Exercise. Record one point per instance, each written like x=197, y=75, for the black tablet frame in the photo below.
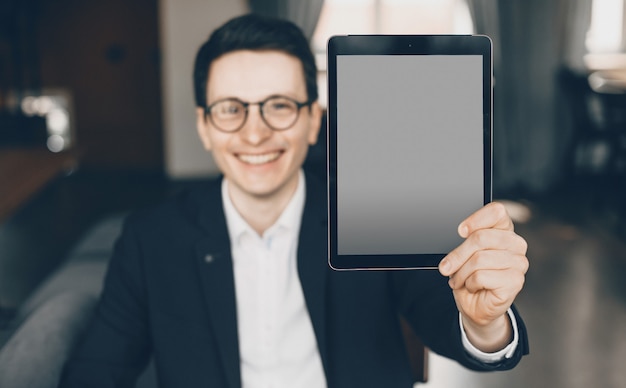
x=400, y=45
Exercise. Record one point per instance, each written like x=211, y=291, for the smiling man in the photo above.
x=229, y=286
x=259, y=147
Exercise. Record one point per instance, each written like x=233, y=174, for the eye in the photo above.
x=228, y=108
x=280, y=105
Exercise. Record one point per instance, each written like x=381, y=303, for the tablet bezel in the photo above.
x=400, y=45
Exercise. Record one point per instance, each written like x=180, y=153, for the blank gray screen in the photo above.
x=409, y=151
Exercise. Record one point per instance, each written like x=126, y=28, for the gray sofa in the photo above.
x=48, y=325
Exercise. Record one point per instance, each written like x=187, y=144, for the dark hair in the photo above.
x=254, y=32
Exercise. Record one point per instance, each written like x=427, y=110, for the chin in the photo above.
x=265, y=190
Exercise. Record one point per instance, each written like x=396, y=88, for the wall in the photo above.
x=104, y=55
x=185, y=25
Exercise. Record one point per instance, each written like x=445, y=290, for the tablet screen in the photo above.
x=408, y=148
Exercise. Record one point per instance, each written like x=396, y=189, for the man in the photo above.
x=229, y=285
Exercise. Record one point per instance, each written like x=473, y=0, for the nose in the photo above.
x=255, y=130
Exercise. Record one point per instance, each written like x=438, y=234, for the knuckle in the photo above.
x=475, y=281
x=480, y=238
x=519, y=283
x=515, y=282
x=480, y=259
x=525, y=264
x=522, y=243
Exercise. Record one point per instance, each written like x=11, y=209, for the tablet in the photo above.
x=409, y=146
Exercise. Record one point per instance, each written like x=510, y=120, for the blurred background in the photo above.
x=97, y=118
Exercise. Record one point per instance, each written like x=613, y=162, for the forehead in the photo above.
x=254, y=75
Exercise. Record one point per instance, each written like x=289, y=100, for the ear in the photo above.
x=203, y=128
x=315, y=120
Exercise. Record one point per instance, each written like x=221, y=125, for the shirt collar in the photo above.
x=289, y=219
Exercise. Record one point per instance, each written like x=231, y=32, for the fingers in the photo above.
x=487, y=294
x=492, y=215
x=488, y=281
x=490, y=270
x=502, y=241
x=509, y=282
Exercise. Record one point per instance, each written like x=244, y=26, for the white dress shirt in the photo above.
x=277, y=344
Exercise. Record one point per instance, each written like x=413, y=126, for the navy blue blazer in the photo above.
x=169, y=293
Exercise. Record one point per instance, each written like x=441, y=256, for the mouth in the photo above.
x=258, y=159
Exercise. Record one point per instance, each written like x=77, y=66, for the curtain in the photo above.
x=532, y=40
x=304, y=13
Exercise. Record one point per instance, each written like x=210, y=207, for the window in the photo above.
x=607, y=29
x=342, y=17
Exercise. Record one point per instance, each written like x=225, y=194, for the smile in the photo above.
x=260, y=158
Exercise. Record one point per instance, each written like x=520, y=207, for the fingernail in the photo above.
x=463, y=230
x=445, y=266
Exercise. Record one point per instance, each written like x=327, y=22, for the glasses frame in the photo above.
x=261, y=104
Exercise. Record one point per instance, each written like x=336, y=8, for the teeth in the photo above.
x=259, y=159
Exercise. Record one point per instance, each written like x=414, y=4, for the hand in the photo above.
x=486, y=272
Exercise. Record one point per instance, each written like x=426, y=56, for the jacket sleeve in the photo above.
x=116, y=346
x=426, y=301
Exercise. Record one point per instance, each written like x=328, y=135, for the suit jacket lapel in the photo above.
x=216, y=272
x=312, y=261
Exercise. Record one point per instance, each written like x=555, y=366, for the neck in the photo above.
x=262, y=211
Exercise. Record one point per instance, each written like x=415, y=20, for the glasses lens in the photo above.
x=228, y=115
x=280, y=112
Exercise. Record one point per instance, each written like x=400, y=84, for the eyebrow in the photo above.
x=209, y=101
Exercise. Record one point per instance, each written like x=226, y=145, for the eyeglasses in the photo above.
x=278, y=112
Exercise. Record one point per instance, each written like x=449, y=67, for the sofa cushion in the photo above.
x=34, y=356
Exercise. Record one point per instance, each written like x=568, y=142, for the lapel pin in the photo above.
x=208, y=258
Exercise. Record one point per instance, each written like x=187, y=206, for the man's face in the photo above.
x=257, y=160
